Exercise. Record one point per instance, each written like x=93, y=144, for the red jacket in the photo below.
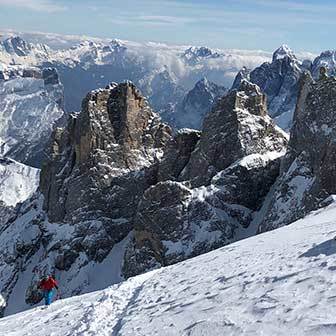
x=48, y=284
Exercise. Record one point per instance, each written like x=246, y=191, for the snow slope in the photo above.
x=17, y=181
x=279, y=283
x=30, y=105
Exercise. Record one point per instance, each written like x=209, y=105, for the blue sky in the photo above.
x=245, y=24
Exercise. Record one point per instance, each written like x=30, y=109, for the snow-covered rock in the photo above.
x=15, y=50
x=31, y=102
x=308, y=174
x=283, y=52
x=194, y=55
x=17, y=181
x=212, y=201
x=279, y=283
x=97, y=163
x=97, y=198
x=279, y=81
x=237, y=126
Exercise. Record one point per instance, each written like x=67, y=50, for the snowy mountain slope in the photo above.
x=24, y=260
x=17, y=181
x=279, y=283
x=196, y=104
x=31, y=102
x=15, y=50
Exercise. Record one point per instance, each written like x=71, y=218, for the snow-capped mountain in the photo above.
x=18, y=182
x=15, y=50
x=191, y=112
x=326, y=59
x=164, y=74
x=31, y=102
x=278, y=283
x=279, y=81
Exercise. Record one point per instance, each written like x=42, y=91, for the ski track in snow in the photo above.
x=279, y=283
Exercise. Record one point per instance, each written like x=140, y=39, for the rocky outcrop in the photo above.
x=213, y=200
x=308, y=172
x=237, y=126
x=119, y=191
x=97, y=163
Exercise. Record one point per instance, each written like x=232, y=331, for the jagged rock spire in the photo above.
x=115, y=133
x=237, y=126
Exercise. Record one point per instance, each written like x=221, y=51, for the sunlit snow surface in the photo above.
x=279, y=283
x=17, y=181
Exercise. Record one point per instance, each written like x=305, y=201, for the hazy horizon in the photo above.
x=225, y=24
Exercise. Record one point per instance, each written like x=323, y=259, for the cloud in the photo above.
x=151, y=20
x=35, y=5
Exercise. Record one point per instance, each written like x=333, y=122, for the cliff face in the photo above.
x=213, y=200
x=98, y=163
x=308, y=172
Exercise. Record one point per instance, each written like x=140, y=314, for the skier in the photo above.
x=47, y=284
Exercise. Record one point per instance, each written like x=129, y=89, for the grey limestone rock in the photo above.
x=213, y=199
x=236, y=127
x=308, y=173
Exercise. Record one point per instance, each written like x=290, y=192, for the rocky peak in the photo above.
x=250, y=97
x=195, y=54
x=326, y=59
x=237, y=126
x=283, y=52
x=17, y=46
x=115, y=134
x=118, y=46
x=279, y=81
x=204, y=205
x=205, y=86
x=244, y=73
x=203, y=83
